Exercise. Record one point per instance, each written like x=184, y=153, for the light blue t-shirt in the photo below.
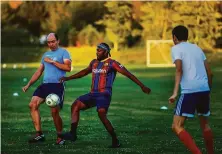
x=52, y=74
x=194, y=77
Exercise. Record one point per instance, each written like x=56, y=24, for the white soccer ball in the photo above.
x=52, y=100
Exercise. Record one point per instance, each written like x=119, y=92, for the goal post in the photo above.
x=159, y=53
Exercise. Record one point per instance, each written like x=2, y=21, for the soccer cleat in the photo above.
x=115, y=144
x=60, y=141
x=68, y=136
x=37, y=138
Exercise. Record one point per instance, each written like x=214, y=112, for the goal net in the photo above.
x=159, y=53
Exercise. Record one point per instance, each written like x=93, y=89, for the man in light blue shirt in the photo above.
x=194, y=76
x=55, y=63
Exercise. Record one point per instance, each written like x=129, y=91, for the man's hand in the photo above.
x=25, y=88
x=63, y=79
x=48, y=60
x=172, y=99
x=146, y=89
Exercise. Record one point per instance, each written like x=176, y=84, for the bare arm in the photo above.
x=80, y=74
x=34, y=78
x=209, y=73
x=126, y=73
x=65, y=67
x=178, y=76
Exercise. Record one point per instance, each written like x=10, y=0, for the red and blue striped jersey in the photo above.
x=103, y=75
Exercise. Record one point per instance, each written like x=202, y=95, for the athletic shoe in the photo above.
x=37, y=138
x=68, y=136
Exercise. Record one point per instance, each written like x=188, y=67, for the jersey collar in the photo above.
x=105, y=59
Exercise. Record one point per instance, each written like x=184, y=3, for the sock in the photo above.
x=113, y=134
x=114, y=137
x=188, y=142
x=58, y=135
x=208, y=137
x=73, y=128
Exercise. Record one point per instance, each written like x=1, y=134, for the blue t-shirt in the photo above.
x=52, y=74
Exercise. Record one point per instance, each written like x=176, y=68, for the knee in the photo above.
x=33, y=105
x=205, y=128
x=75, y=107
x=177, y=128
x=102, y=114
x=174, y=127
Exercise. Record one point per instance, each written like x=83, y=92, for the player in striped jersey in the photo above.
x=103, y=71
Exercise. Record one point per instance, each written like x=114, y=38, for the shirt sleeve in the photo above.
x=42, y=60
x=176, y=54
x=203, y=56
x=91, y=63
x=66, y=55
x=116, y=65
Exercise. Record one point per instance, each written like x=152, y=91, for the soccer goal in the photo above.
x=159, y=53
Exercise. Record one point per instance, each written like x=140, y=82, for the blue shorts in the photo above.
x=100, y=100
x=47, y=88
x=190, y=103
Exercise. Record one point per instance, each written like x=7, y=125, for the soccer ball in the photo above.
x=52, y=100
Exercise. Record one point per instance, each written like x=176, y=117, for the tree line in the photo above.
x=121, y=24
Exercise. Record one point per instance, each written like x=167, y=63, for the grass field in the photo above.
x=140, y=124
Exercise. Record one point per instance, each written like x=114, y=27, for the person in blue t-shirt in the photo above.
x=55, y=63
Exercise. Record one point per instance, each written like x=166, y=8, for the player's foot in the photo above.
x=115, y=144
x=60, y=141
x=68, y=136
x=37, y=138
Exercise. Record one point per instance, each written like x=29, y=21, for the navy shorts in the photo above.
x=47, y=88
x=188, y=104
x=100, y=100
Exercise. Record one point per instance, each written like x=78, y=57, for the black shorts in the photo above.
x=198, y=102
x=48, y=88
x=100, y=100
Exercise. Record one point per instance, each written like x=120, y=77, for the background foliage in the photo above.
x=124, y=24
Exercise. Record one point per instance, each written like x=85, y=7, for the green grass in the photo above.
x=140, y=124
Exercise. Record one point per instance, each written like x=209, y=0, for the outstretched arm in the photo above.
x=119, y=68
x=80, y=74
x=34, y=78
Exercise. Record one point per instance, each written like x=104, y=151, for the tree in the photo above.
x=58, y=13
x=202, y=22
x=119, y=23
x=19, y=27
x=85, y=13
x=89, y=36
x=69, y=18
x=159, y=18
x=156, y=20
